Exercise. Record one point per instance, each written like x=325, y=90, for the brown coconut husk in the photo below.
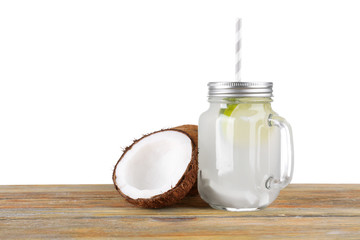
x=184, y=185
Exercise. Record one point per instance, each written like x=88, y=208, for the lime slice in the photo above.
x=230, y=108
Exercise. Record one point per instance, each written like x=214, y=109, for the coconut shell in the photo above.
x=192, y=130
x=184, y=185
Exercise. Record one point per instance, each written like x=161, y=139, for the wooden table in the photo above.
x=97, y=211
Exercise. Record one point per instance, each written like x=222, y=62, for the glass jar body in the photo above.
x=239, y=153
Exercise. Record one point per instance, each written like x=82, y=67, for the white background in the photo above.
x=80, y=79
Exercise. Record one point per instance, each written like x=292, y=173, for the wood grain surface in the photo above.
x=309, y=211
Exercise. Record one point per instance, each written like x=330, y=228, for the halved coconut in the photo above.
x=158, y=169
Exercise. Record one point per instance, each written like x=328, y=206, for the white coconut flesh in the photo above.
x=154, y=165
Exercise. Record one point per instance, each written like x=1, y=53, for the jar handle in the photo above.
x=287, y=153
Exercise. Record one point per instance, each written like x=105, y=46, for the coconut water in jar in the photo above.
x=245, y=148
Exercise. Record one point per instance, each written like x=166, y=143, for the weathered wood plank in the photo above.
x=97, y=211
x=103, y=227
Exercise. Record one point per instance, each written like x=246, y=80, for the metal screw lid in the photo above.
x=240, y=89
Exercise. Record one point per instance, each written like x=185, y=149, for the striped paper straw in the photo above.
x=238, y=50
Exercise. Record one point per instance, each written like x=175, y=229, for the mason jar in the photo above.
x=245, y=147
